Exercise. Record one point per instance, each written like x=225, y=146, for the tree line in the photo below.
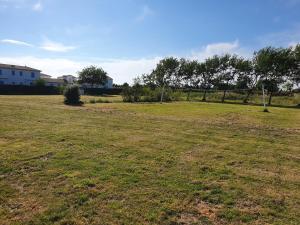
x=269, y=67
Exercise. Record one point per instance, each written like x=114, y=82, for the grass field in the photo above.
x=175, y=163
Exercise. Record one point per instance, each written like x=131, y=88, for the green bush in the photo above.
x=72, y=95
x=100, y=100
x=132, y=94
x=92, y=101
x=138, y=93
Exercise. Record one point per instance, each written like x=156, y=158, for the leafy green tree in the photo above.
x=247, y=78
x=274, y=66
x=40, y=82
x=164, y=73
x=188, y=72
x=226, y=73
x=208, y=71
x=295, y=76
x=92, y=75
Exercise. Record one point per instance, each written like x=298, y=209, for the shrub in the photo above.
x=137, y=93
x=72, y=95
x=92, y=101
x=40, y=82
x=100, y=100
x=132, y=94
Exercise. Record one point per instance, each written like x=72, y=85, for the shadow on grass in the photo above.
x=78, y=104
x=254, y=104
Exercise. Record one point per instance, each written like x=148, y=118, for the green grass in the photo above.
x=173, y=163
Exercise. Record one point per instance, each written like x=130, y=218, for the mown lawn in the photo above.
x=175, y=163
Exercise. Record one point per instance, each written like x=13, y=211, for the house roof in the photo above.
x=43, y=75
x=52, y=80
x=67, y=76
x=9, y=66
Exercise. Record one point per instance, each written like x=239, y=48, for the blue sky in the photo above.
x=128, y=37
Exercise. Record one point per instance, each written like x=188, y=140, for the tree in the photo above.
x=166, y=70
x=247, y=78
x=188, y=72
x=295, y=76
x=226, y=73
x=207, y=72
x=92, y=75
x=275, y=66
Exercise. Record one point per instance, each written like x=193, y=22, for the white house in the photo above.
x=108, y=84
x=18, y=75
x=69, y=79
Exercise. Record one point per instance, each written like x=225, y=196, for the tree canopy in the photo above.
x=92, y=75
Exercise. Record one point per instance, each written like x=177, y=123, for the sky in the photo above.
x=128, y=37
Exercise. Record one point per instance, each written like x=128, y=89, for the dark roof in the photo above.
x=9, y=66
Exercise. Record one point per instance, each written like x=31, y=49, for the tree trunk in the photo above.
x=223, y=98
x=270, y=98
x=162, y=94
x=189, y=94
x=248, y=96
x=204, y=96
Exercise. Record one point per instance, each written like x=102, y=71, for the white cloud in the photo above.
x=281, y=39
x=55, y=46
x=16, y=42
x=121, y=70
x=37, y=6
x=220, y=49
x=146, y=11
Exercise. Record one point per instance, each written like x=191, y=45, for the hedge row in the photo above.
x=48, y=90
x=28, y=90
x=101, y=91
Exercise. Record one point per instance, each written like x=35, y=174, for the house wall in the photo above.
x=108, y=84
x=19, y=77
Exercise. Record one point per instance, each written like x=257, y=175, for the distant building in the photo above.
x=18, y=75
x=108, y=84
x=49, y=81
x=69, y=79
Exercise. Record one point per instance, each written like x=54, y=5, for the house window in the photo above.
x=13, y=83
x=1, y=82
x=21, y=73
x=0, y=72
x=13, y=72
x=32, y=74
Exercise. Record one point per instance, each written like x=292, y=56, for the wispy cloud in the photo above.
x=16, y=42
x=283, y=38
x=20, y=4
x=37, y=6
x=52, y=46
x=145, y=12
x=220, y=49
x=289, y=3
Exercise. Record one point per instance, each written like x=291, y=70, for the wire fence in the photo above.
x=281, y=98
